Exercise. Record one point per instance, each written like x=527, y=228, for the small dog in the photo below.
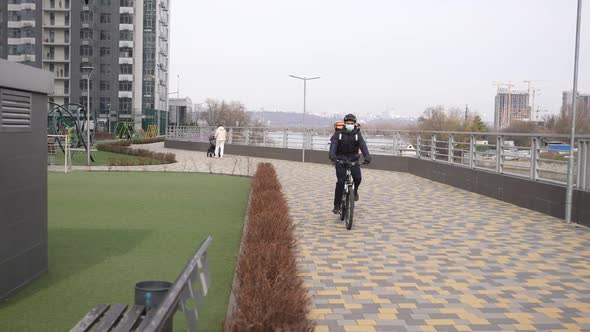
x=211, y=151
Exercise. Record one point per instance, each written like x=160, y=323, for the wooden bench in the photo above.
x=186, y=294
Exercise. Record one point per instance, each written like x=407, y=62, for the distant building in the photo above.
x=511, y=105
x=181, y=109
x=583, y=103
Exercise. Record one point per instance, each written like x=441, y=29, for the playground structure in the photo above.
x=62, y=122
x=127, y=131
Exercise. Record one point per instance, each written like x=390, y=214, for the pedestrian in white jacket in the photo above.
x=220, y=136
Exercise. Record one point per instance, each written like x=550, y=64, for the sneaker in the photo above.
x=356, y=196
x=336, y=210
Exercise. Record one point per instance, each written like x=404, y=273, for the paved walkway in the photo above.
x=424, y=256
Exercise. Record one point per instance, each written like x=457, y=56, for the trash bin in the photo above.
x=151, y=294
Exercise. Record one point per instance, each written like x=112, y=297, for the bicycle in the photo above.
x=347, y=202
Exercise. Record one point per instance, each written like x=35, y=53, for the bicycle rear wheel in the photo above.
x=343, y=207
x=350, y=209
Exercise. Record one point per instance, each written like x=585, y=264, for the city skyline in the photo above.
x=377, y=56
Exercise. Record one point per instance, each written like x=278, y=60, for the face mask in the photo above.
x=349, y=127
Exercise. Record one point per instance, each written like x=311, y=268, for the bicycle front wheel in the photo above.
x=349, y=210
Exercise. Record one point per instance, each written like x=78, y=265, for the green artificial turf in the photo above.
x=101, y=158
x=109, y=230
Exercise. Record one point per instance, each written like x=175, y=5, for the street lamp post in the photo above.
x=304, y=79
x=90, y=69
x=570, y=162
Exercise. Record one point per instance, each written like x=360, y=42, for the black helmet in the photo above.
x=350, y=117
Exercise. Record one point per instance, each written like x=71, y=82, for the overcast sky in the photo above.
x=374, y=56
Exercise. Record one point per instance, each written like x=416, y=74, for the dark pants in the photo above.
x=341, y=175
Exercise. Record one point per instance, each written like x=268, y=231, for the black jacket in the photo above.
x=344, y=145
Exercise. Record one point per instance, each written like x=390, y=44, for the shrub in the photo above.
x=147, y=157
x=270, y=295
x=148, y=140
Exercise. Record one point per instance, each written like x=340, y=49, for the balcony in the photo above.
x=56, y=26
x=125, y=94
x=21, y=41
x=125, y=77
x=126, y=10
x=21, y=6
x=56, y=43
x=21, y=58
x=126, y=43
x=21, y=24
x=126, y=27
x=125, y=61
x=53, y=59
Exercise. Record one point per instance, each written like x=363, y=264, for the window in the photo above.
x=105, y=35
x=51, y=3
x=126, y=19
x=104, y=51
x=67, y=19
x=126, y=35
x=105, y=103
x=126, y=69
x=105, y=18
x=83, y=101
x=84, y=84
x=126, y=3
x=85, y=50
x=86, y=16
x=125, y=105
x=125, y=85
x=105, y=85
x=51, y=18
x=105, y=68
x=86, y=34
x=126, y=52
x=105, y=2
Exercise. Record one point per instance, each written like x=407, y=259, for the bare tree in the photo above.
x=227, y=114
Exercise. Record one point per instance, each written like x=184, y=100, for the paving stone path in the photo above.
x=424, y=256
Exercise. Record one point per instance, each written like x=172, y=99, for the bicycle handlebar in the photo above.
x=349, y=163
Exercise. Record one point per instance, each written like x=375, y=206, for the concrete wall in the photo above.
x=542, y=197
x=23, y=179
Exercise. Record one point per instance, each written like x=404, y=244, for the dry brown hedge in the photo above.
x=122, y=147
x=270, y=295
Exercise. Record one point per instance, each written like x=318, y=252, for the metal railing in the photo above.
x=531, y=156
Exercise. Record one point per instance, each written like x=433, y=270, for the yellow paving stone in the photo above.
x=407, y=305
x=321, y=328
x=440, y=322
x=550, y=312
x=366, y=322
x=388, y=310
x=527, y=327
x=354, y=328
x=336, y=301
x=387, y=316
x=463, y=328
x=582, y=320
x=428, y=328
x=381, y=301
x=353, y=306
x=329, y=292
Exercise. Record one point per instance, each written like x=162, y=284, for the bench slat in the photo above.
x=131, y=317
x=90, y=318
x=110, y=317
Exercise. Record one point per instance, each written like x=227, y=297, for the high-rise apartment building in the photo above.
x=510, y=105
x=567, y=103
x=111, y=53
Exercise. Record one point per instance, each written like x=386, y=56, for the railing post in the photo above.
x=432, y=147
x=583, y=178
x=419, y=145
x=286, y=139
x=472, y=151
x=499, y=154
x=231, y=136
x=534, y=158
x=450, y=150
x=247, y=133
x=264, y=133
x=395, y=144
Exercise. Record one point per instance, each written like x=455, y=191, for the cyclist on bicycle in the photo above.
x=345, y=145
